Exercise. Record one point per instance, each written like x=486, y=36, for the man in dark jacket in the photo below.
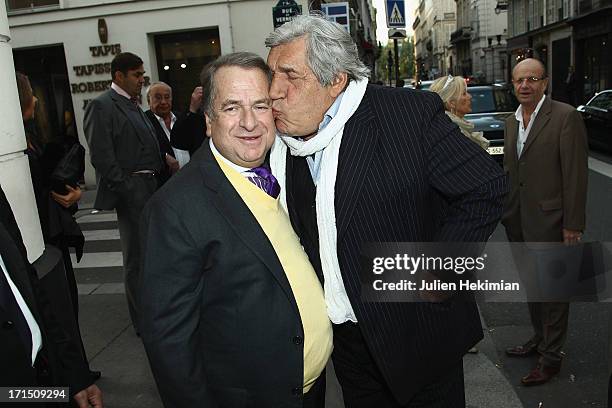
x=34, y=349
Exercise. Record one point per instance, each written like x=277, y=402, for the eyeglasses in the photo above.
x=530, y=80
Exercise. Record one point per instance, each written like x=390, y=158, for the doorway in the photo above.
x=48, y=74
x=180, y=59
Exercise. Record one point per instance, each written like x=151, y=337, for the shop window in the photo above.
x=18, y=5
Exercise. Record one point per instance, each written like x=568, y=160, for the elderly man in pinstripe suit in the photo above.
x=361, y=163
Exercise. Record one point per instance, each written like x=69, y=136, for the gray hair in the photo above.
x=330, y=50
x=154, y=84
x=450, y=88
x=245, y=60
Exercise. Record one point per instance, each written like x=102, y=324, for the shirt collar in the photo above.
x=172, y=117
x=331, y=112
x=120, y=90
x=519, y=111
x=233, y=165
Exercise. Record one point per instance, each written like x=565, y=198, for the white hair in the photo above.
x=330, y=50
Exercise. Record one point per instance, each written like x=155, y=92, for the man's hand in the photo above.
x=172, y=163
x=66, y=201
x=89, y=397
x=571, y=237
x=196, y=99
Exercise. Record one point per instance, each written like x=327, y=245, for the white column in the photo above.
x=14, y=168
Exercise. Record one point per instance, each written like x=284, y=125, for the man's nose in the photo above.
x=276, y=89
x=247, y=119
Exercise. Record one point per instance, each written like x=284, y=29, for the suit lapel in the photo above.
x=231, y=206
x=539, y=123
x=356, y=150
x=512, y=135
x=133, y=113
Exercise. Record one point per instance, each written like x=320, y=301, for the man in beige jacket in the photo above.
x=546, y=161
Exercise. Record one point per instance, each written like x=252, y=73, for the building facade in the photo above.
x=480, y=40
x=592, y=35
x=434, y=22
x=540, y=29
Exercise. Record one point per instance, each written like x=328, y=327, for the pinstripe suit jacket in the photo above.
x=407, y=174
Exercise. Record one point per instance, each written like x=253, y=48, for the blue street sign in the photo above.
x=396, y=14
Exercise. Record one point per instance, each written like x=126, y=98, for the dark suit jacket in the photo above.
x=189, y=132
x=64, y=362
x=164, y=145
x=548, y=184
x=117, y=135
x=407, y=174
x=218, y=317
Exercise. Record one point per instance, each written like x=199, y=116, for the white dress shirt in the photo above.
x=34, y=329
x=182, y=156
x=523, y=133
x=244, y=171
x=120, y=91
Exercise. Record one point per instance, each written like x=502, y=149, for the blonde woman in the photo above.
x=457, y=103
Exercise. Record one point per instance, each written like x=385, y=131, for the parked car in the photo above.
x=423, y=85
x=491, y=105
x=597, y=115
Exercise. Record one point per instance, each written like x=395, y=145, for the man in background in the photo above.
x=545, y=156
x=163, y=119
x=126, y=155
x=190, y=132
x=34, y=349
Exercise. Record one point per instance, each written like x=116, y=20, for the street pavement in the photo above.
x=492, y=379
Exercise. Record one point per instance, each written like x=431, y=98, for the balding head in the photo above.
x=159, y=97
x=530, y=82
x=533, y=64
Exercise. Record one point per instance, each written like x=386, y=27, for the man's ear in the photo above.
x=338, y=84
x=208, y=125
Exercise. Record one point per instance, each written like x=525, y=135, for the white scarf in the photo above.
x=328, y=141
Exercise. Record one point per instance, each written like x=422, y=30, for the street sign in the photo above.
x=284, y=11
x=396, y=34
x=338, y=13
x=395, y=14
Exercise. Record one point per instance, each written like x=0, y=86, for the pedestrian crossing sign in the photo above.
x=395, y=14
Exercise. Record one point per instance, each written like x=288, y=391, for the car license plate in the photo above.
x=496, y=150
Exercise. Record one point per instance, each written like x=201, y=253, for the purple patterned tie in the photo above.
x=265, y=180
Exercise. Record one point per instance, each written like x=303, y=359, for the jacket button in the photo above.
x=8, y=324
x=520, y=184
x=297, y=391
x=297, y=340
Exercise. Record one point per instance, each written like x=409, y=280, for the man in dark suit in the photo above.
x=546, y=158
x=232, y=313
x=34, y=349
x=190, y=132
x=125, y=153
x=367, y=164
x=163, y=120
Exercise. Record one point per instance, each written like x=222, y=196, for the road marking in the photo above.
x=114, y=288
x=97, y=260
x=600, y=167
x=101, y=235
x=101, y=217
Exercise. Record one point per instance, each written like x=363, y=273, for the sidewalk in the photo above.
x=113, y=348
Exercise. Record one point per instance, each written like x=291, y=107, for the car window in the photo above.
x=482, y=100
x=602, y=101
x=490, y=100
x=505, y=100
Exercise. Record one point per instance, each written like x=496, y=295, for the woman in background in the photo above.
x=43, y=159
x=458, y=103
